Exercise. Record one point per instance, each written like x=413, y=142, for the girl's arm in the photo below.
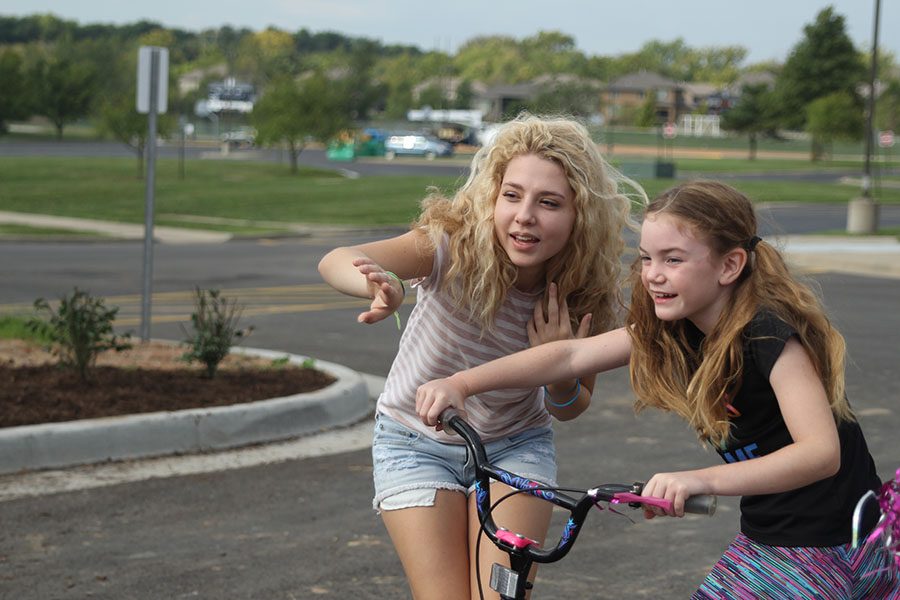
x=568, y=398
x=363, y=271
x=544, y=364
x=814, y=454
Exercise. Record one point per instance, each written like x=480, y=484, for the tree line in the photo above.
x=64, y=71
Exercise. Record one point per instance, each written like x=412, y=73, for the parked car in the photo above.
x=243, y=137
x=415, y=144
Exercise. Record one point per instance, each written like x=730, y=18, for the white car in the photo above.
x=415, y=144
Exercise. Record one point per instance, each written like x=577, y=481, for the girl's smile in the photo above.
x=533, y=215
x=681, y=273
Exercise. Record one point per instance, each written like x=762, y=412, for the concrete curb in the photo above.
x=55, y=445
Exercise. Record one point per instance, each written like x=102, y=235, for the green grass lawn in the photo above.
x=254, y=195
x=107, y=188
x=650, y=137
x=15, y=327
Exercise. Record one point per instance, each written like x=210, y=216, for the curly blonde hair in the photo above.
x=666, y=372
x=587, y=271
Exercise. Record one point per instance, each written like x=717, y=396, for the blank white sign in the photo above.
x=145, y=54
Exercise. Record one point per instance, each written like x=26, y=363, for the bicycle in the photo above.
x=512, y=582
x=887, y=530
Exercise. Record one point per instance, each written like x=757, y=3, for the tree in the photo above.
x=114, y=108
x=822, y=63
x=360, y=93
x=836, y=116
x=493, y=59
x=887, y=112
x=678, y=61
x=399, y=100
x=572, y=97
x=754, y=114
x=399, y=74
x=293, y=113
x=433, y=96
x=119, y=118
x=62, y=87
x=266, y=56
x=464, y=95
x=646, y=114
x=553, y=52
x=13, y=91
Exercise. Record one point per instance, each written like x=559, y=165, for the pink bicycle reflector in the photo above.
x=647, y=500
x=514, y=539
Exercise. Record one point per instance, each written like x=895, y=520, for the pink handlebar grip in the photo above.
x=646, y=500
x=698, y=505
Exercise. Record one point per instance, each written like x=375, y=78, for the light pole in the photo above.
x=862, y=212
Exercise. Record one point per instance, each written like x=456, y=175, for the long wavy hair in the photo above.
x=666, y=373
x=588, y=269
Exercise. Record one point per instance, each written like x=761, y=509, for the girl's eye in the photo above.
x=673, y=260
x=510, y=195
x=645, y=258
x=548, y=202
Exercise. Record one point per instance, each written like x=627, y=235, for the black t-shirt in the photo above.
x=819, y=514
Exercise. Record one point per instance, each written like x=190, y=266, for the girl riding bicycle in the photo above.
x=540, y=205
x=721, y=333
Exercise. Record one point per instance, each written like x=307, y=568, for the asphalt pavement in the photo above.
x=292, y=519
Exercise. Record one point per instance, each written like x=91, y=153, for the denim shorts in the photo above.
x=413, y=466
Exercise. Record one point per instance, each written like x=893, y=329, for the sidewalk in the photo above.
x=874, y=256
x=127, y=231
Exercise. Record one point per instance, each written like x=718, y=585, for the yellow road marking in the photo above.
x=171, y=307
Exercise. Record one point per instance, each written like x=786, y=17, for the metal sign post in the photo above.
x=152, y=91
x=862, y=212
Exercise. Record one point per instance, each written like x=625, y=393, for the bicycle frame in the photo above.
x=512, y=583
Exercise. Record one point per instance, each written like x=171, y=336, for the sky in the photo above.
x=768, y=29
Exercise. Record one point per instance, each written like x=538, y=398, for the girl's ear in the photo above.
x=733, y=264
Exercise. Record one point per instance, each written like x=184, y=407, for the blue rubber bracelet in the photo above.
x=570, y=401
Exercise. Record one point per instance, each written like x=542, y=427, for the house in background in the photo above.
x=624, y=96
x=500, y=101
x=755, y=78
x=704, y=98
x=497, y=101
x=192, y=80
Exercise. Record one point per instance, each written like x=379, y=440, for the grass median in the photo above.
x=107, y=188
x=256, y=197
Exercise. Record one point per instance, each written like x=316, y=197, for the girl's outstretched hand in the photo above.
x=386, y=290
x=677, y=487
x=434, y=397
x=555, y=325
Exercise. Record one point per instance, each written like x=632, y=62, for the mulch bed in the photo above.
x=47, y=393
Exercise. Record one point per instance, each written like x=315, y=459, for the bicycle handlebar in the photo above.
x=614, y=493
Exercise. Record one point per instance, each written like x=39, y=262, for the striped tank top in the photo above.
x=439, y=340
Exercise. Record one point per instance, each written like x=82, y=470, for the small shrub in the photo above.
x=215, y=329
x=309, y=363
x=282, y=362
x=79, y=330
